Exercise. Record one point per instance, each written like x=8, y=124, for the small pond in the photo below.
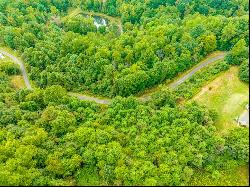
x=98, y=21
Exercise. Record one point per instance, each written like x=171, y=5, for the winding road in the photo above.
x=22, y=67
x=194, y=70
x=89, y=98
x=172, y=85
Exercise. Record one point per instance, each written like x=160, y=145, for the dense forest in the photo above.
x=50, y=138
x=158, y=43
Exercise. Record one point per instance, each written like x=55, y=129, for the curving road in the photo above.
x=22, y=68
x=200, y=66
x=143, y=98
x=89, y=98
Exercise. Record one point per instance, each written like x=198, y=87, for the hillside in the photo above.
x=128, y=93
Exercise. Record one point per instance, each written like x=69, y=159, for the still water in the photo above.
x=98, y=21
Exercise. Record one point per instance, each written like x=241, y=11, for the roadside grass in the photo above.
x=89, y=94
x=18, y=56
x=15, y=53
x=6, y=59
x=227, y=95
x=235, y=177
x=17, y=82
x=166, y=83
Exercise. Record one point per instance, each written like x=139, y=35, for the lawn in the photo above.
x=227, y=95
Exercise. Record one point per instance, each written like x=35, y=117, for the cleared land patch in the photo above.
x=228, y=96
x=18, y=82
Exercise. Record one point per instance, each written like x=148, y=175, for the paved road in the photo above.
x=108, y=101
x=191, y=73
x=22, y=67
x=89, y=98
x=176, y=83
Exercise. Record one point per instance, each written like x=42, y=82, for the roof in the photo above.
x=244, y=119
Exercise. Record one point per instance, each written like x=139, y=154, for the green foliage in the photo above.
x=244, y=71
x=160, y=40
x=54, y=94
x=238, y=54
x=159, y=143
x=80, y=24
x=9, y=68
x=48, y=138
x=238, y=145
x=163, y=98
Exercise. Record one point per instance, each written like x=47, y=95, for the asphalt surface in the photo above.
x=191, y=73
x=108, y=101
x=89, y=98
x=176, y=83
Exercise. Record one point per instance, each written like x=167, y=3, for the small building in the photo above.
x=243, y=119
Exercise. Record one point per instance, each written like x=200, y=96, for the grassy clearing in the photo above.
x=17, y=82
x=227, y=95
x=234, y=177
x=72, y=13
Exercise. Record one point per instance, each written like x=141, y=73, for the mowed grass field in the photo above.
x=228, y=96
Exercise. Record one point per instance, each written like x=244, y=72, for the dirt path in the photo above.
x=108, y=101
